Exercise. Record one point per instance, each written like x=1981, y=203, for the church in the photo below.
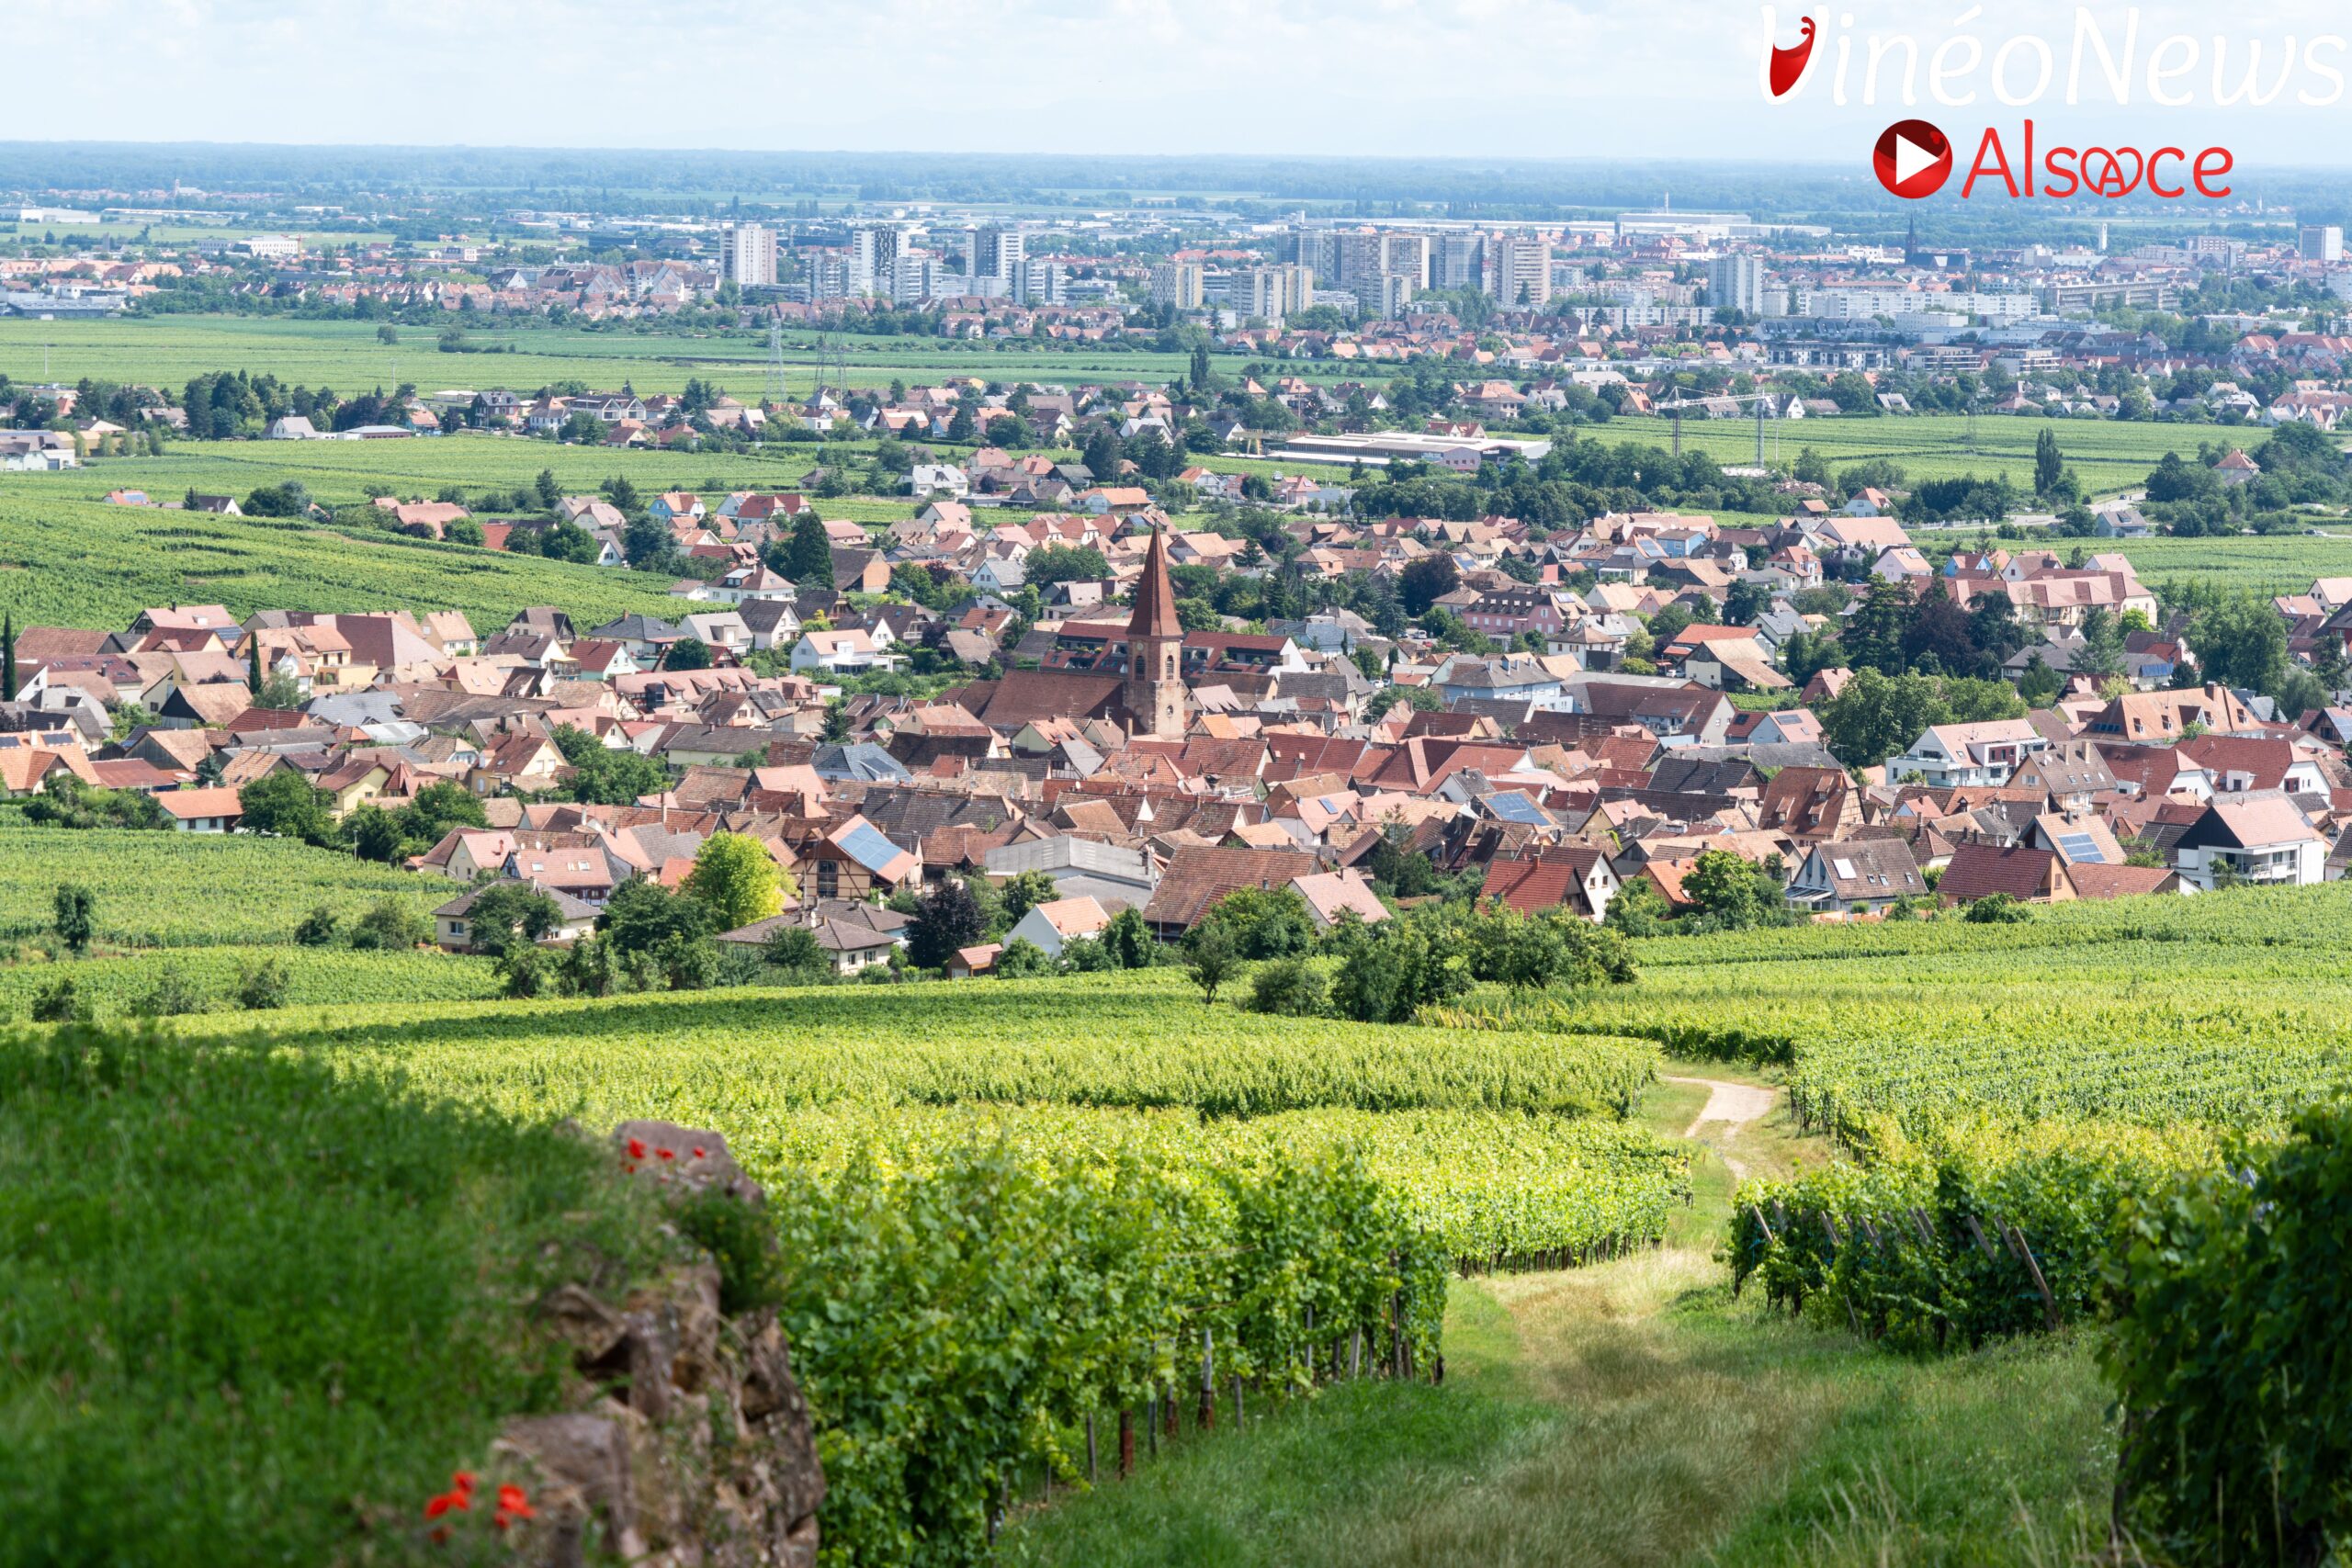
x=1147, y=697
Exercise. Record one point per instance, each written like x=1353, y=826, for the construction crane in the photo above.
x=1766, y=403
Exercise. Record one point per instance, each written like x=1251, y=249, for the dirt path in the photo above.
x=1733, y=1109
x=1735, y=1104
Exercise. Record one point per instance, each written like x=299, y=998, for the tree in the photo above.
x=1265, y=922
x=1938, y=638
x=2048, y=467
x=1730, y=892
x=283, y=802
x=1200, y=376
x=603, y=776
x=509, y=913
x=1638, y=909
x=317, y=929
x=1873, y=634
x=1023, y=893
x=1290, y=987
x=8, y=657
x=1210, y=958
x=1127, y=942
x=2240, y=642
x=549, y=493
x=376, y=835
x=75, y=913
x=687, y=653
x=1425, y=579
x=642, y=914
x=2100, y=654
x=946, y=919
x=1998, y=908
x=1879, y=715
x=796, y=951
x=809, y=559
x=1021, y=959
x=438, y=808
x=389, y=926
x=1049, y=564
x=739, y=879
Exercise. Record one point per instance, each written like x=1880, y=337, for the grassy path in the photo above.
x=1634, y=1414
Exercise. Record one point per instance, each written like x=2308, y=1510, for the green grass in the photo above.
x=255, y=1315
x=1624, y=1417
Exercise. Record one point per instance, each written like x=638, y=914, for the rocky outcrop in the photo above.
x=691, y=1443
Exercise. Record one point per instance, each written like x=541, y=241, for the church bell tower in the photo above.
x=1152, y=687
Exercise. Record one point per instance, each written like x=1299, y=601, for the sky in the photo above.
x=1461, y=78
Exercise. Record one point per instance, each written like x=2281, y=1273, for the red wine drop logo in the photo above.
x=1788, y=64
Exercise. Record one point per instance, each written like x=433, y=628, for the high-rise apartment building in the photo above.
x=873, y=252
x=1177, y=283
x=1737, y=282
x=994, y=261
x=1460, y=261
x=1519, y=271
x=747, y=255
x=2321, y=244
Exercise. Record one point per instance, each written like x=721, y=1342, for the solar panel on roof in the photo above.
x=1514, y=808
x=2080, y=847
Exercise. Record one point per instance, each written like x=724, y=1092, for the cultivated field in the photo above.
x=81, y=563
x=2108, y=456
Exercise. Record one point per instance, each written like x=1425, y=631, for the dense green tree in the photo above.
x=509, y=914
x=73, y=912
x=1879, y=715
x=946, y=919
x=284, y=803
x=737, y=876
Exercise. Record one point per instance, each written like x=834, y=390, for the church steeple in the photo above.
x=1153, y=688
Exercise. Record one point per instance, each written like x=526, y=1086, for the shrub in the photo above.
x=172, y=995
x=1021, y=959
x=1998, y=910
x=389, y=925
x=1292, y=988
x=317, y=930
x=263, y=987
x=60, y=1002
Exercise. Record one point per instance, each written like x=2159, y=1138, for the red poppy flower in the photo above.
x=463, y=1480
x=436, y=1507
x=636, y=1148
x=664, y=1153
x=700, y=1152
x=513, y=1501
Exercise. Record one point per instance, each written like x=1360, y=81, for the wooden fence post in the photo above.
x=1126, y=1442
x=1090, y=1472
x=1208, y=1381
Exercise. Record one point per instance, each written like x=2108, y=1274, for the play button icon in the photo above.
x=1913, y=159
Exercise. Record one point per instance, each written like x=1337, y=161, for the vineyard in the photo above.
x=1150, y=1200
x=2109, y=456
x=82, y=563
x=164, y=890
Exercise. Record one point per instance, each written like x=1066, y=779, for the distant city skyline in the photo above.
x=1446, y=78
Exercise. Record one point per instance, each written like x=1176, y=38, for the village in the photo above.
x=1588, y=719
